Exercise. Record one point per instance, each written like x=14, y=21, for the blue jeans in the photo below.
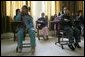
x=20, y=34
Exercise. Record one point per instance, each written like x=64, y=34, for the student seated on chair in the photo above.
x=69, y=31
x=43, y=26
x=27, y=23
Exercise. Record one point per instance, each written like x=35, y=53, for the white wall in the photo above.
x=36, y=10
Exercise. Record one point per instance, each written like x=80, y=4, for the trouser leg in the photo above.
x=45, y=32
x=69, y=34
x=32, y=37
x=77, y=33
x=20, y=37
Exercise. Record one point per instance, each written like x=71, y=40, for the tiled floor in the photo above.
x=43, y=48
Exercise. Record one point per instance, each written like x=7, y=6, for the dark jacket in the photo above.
x=64, y=23
x=43, y=23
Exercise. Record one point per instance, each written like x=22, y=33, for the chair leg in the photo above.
x=38, y=34
x=62, y=47
x=38, y=37
x=47, y=37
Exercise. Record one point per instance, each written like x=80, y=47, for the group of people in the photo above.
x=71, y=28
x=71, y=24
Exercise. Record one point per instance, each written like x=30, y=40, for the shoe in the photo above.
x=20, y=50
x=77, y=45
x=33, y=50
x=46, y=39
x=71, y=47
x=17, y=49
